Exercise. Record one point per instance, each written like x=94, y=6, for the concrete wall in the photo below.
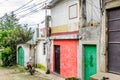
x=40, y=55
x=26, y=49
x=32, y=54
x=90, y=36
x=90, y=33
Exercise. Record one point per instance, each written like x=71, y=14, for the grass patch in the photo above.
x=22, y=68
x=41, y=66
x=72, y=78
x=18, y=68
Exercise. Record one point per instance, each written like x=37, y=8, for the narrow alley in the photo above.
x=14, y=74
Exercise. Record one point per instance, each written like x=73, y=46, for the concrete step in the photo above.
x=99, y=76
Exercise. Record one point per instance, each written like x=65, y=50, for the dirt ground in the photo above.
x=14, y=74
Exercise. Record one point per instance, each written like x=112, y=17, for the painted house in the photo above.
x=74, y=50
x=41, y=48
x=24, y=54
x=64, y=31
x=109, y=53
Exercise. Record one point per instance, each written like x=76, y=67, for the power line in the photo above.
x=18, y=8
x=32, y=7
x=29, y=13
x=23, y=6
x=35, y=10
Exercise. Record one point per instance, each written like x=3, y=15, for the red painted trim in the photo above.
x=63, y=33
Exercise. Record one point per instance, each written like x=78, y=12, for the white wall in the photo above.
x=60, y=13
x=41, y=57
x=26, y=52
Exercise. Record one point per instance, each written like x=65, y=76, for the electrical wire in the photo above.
x=30, y=13
x=23, y=5
x=31, y=7
x=35, y=10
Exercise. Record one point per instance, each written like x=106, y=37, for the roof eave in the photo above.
x=52, y=4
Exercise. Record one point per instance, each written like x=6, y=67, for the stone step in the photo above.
x=99, y=76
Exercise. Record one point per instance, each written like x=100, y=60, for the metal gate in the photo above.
x=114, y=40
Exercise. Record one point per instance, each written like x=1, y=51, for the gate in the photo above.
x=114, y=40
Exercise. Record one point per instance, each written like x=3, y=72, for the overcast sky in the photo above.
x=6, y=6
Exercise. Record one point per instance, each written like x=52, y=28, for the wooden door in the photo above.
x=21, y=56
x=114, y=40
x=90, y=62
x=57, y=59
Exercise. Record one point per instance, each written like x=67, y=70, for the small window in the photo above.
x=73, y=11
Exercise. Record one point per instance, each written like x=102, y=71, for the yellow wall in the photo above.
x=65, y=28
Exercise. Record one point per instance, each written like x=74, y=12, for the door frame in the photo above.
x=104, y=35
x=18, y=54
x=81, y=56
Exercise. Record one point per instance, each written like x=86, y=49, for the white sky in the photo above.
x=6, y=6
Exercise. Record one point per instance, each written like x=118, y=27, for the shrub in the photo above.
x=22, y=69
x=8, y=58
x=41, y=66
x=72, y=78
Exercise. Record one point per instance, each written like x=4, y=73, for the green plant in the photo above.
x=8, y=58
x=21, y=69
x=72, y=78
x=41, y=66
x=0, y=55
x=12, y=34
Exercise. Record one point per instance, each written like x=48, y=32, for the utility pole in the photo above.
x=47, y=39
x=46, y=25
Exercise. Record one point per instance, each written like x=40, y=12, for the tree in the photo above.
x=11, y=34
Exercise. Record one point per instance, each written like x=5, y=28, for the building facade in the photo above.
x=74, y=49
x=109, y=50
